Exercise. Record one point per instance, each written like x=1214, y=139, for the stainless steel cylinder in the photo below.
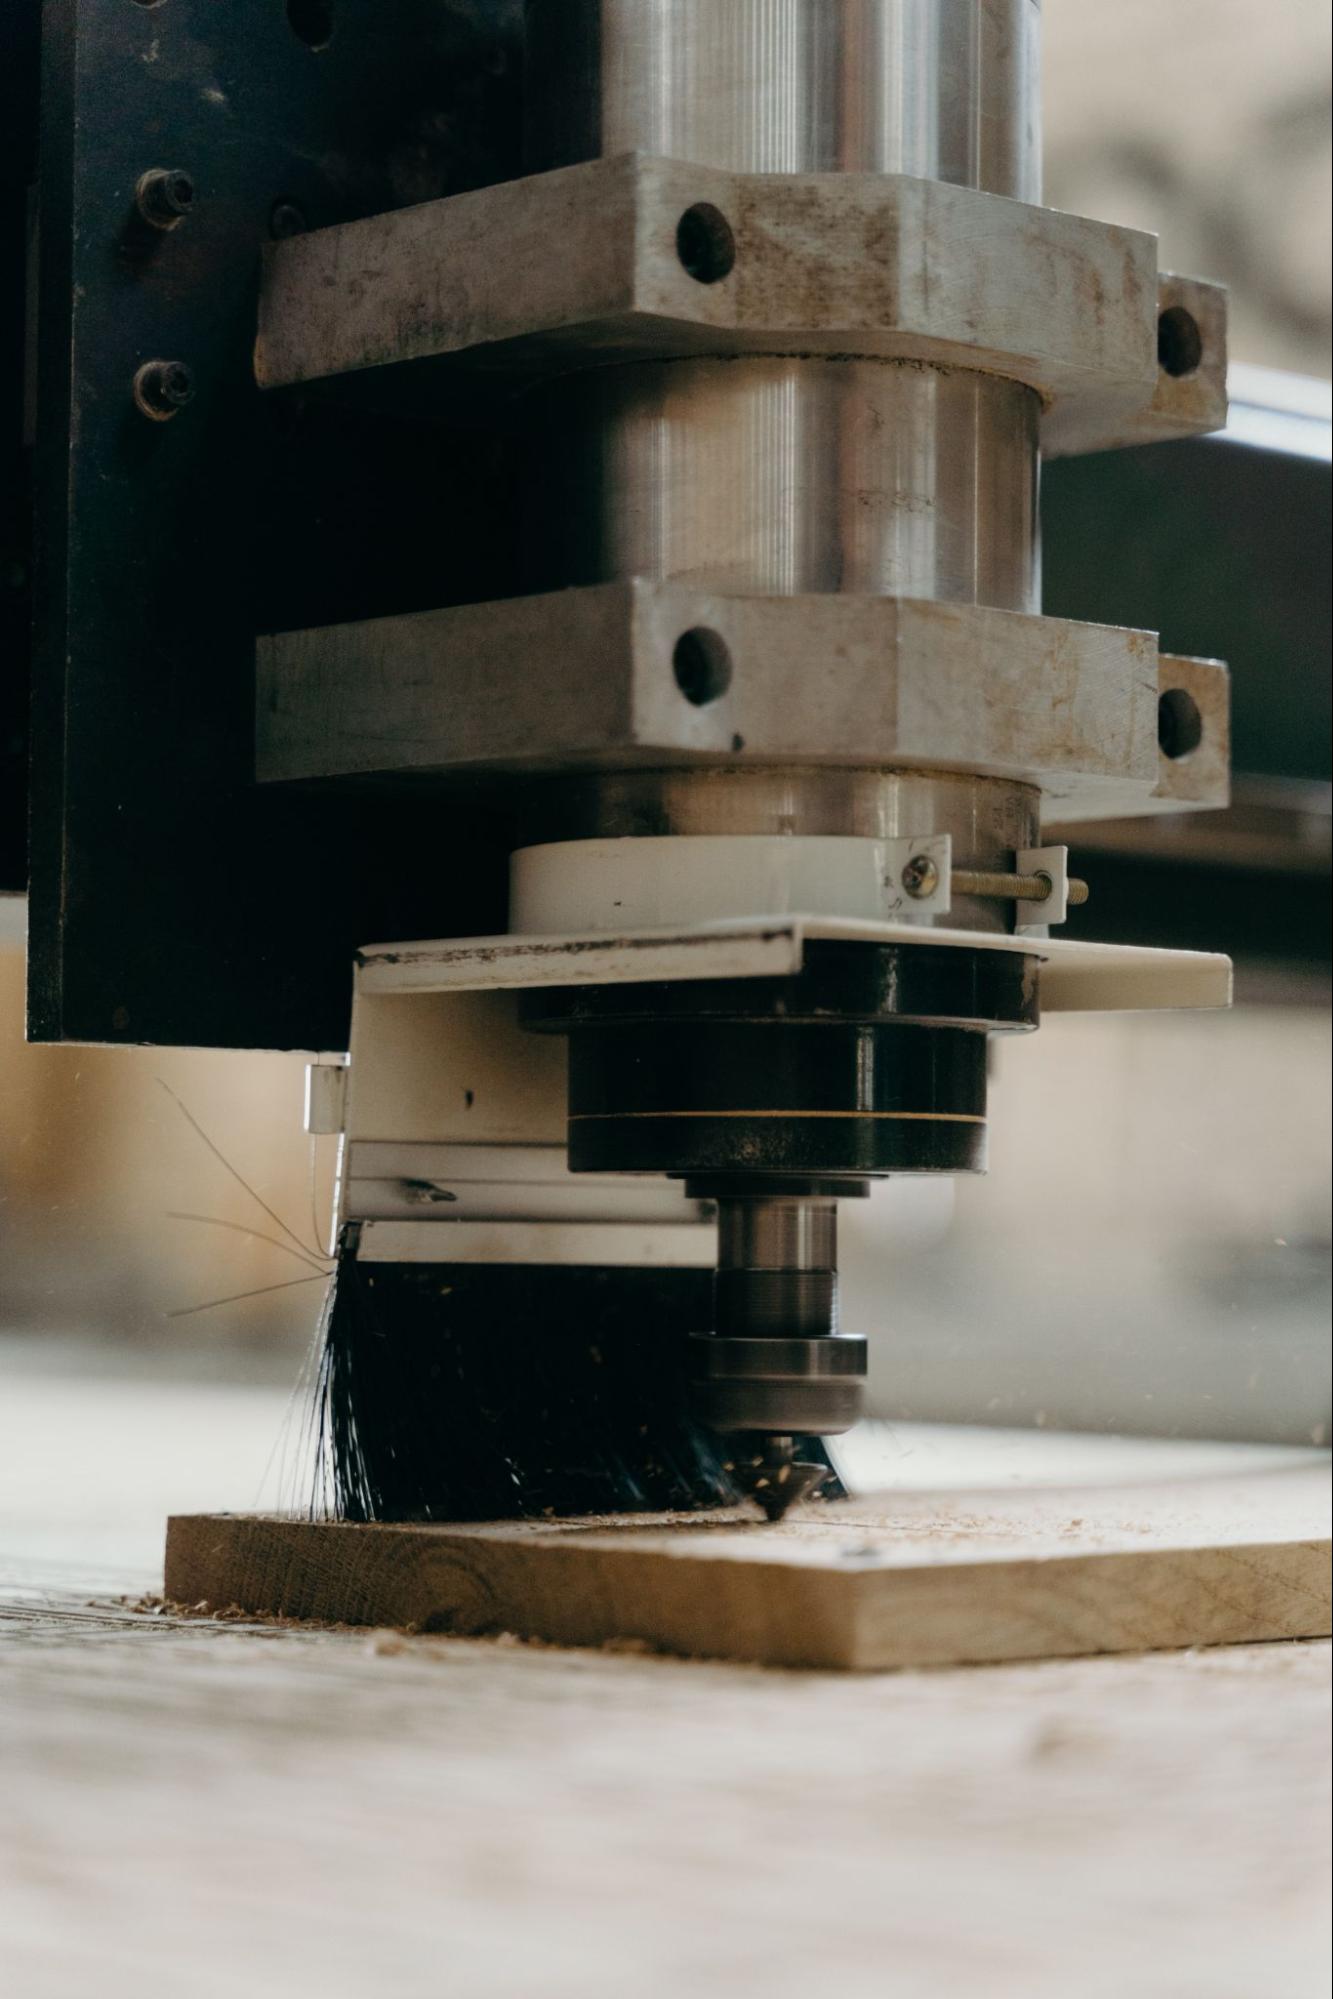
x=777, y=1232
x=776, y=1362
x=786, y=476
x=789, y=475
x=777, y=1268
x=944, y=89
x=984, y=815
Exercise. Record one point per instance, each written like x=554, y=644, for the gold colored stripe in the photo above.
x=903, y=1117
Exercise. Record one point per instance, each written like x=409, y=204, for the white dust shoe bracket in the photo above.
x=1073, y=976
x=602, y=885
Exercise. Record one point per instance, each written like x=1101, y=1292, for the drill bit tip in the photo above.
x=776, y=1479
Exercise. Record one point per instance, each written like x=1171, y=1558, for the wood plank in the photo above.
x=922, y=1579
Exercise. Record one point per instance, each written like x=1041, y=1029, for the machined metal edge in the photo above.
x=871, y=265
x=595, y=679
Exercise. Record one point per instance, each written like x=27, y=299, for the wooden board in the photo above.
x=921, y=1579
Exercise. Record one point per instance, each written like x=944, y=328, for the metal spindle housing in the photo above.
x=768, y=476
x=781, y=477
x=943, y=89
x=786, y=476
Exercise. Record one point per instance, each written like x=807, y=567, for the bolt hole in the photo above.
x=705, y=244
x=1179, y=724
x=311, y=21
x=1179, y=341
x=702, y=666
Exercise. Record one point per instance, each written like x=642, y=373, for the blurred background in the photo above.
x=1150, y=1252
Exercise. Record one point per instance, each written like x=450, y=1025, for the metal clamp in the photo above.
x=1051, y=864
x=1041, y=885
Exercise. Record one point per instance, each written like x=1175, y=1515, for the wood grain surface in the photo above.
x=908, y=1579
x=198, y=1809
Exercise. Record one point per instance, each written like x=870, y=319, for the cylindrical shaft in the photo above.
x=779, y=477
x=777, y=1268
x=777, y=1232
x=783, y=476
x=942, y=89
x=776, y=1365
x=986, y=817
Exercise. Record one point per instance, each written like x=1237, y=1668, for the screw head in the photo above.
x=921, y=877
x=164, y=196
x=163, y=388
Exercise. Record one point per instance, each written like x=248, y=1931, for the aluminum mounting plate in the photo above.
x=1074, y=977
x=870, y=264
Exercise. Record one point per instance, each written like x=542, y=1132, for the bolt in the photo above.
x=286, y=219
x=163, y=388
x=164, y=196
x=921, y=877
x=1036, y=887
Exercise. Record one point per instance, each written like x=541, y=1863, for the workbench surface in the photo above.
x=195, y=1809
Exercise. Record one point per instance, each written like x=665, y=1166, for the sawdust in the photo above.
x=380, y=1641
x=387, y=1644
x=230, y=1614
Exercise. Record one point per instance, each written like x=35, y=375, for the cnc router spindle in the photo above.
x=770, y=332
x=780, y=376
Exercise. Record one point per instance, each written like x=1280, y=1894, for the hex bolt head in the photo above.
x=163, y=388
x=921, y=877
x=164, y=196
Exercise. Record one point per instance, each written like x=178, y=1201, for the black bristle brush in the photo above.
x=490, y=1392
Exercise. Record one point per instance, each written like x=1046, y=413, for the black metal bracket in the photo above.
x=172, y=900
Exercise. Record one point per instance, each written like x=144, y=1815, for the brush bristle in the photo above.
x=489, y=1392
